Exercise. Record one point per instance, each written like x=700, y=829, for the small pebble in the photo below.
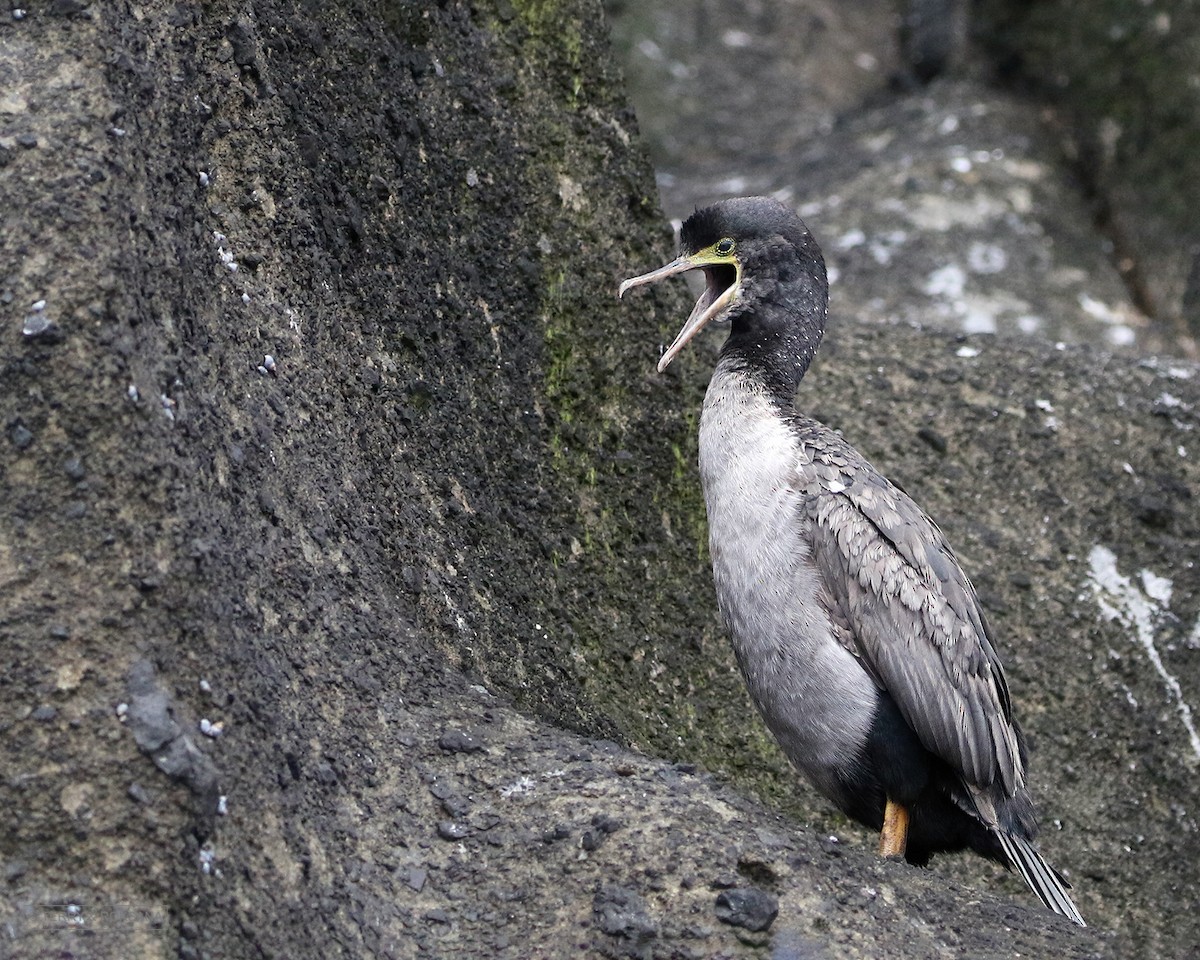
x=138, y=792
x=450, y=830
x=222, y=806
x=44, y=713
x=933, y=438
x=21, y=436
x=205, y=686
x=18, y=13
x=132, y=393
x=204, y=181
x=748, y=907
x=459, y=741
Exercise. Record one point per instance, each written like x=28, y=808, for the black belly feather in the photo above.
x=892, y=762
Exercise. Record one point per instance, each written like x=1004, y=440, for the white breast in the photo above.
x=813, y=694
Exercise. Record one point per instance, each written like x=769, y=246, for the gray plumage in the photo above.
x=863, y=643
x=853, y=568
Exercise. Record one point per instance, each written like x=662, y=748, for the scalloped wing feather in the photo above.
x=903, y=606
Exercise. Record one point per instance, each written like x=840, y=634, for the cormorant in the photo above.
x=861, y=640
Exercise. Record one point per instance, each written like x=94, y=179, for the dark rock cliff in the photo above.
x=345, y=529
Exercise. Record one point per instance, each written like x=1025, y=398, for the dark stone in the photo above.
x=1021, y=580
x=560, y=832
x=458, y=741
x=242, y=41
x=456, y=805
x=44, y=713
x=933, y=438
x=1153, y=511
x=20, y=435
x=621, y=912
x=747, y=907
x=452, y=830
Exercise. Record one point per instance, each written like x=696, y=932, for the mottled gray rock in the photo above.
x=621, y=913
x=747, y=907
x=430, y=207
x=1121, y=80
x=957, y=203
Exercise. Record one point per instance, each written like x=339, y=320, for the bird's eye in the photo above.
x=724, y=247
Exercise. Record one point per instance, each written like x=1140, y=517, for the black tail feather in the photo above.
x=1042, y=878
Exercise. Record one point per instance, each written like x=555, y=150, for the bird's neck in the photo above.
x=774, y=339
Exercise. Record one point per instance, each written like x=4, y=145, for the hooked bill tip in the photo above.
x=625, y=286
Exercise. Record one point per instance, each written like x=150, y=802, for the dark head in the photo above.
x=764, y=274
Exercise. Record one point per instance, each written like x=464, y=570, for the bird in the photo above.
x=862, y=642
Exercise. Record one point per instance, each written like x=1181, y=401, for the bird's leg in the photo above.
x=893, y=839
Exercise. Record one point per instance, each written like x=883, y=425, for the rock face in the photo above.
x=1123, y=83
x=336, y=486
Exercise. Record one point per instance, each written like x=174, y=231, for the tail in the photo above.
x=1042, y=878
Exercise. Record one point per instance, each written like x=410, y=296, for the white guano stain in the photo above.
x=1141, y=609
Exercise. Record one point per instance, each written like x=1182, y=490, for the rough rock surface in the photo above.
x=270, y=535
x=1123, y=80
x=945, y=208
x=1095, y=124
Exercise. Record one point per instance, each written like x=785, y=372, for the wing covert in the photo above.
x=902, y=604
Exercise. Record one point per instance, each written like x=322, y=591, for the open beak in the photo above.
x=722, y=278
